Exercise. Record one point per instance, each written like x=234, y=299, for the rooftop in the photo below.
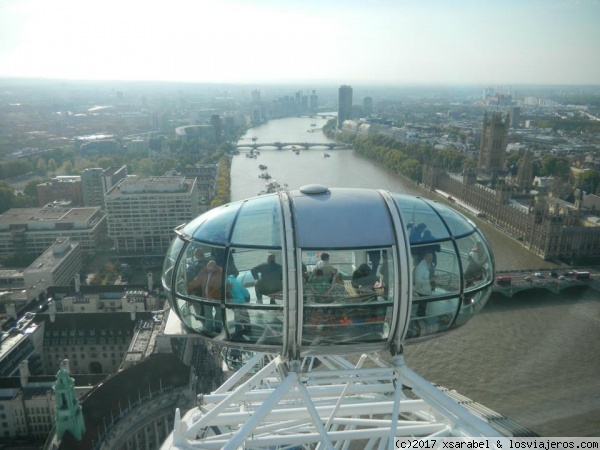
x=48, y=213
x=52, y=257
x=144, y=185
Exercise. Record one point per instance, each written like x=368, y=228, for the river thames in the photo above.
x=533, y=357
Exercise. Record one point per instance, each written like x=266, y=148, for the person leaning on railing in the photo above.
x=269, y=278
x=475, y=265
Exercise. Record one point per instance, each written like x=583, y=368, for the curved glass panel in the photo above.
x=436, y=270
x=431, y=317
x=347, y=296
x=476, y=261
x=422, y=223
x=193, y=309
x=352, y=218
x=200, y=277
x=458, y=224
x=170, y=259
x=215, y=225
x=186, y=314
x=472, y=304
x=254, y=298
x=259, y=223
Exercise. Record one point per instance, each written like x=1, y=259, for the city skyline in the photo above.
x=385, y=41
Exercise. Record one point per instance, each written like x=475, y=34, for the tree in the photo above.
x=105, y=162
x=469, y=163
x=7, y=197
x=222, y=193
x=556, y=166
x=411, y=169
x=16, y=167
x=513, y=159
x=42, y=168
x=67, y=168
x=52, y=165
x=17, y=260
x=449, y=160
x=30, y=188
x=163, y=165
x=84, y=163
x=60, y=155
x=590, y=181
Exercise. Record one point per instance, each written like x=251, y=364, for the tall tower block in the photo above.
x=344, y=104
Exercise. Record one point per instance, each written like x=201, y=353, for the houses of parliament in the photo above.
x=545, y=223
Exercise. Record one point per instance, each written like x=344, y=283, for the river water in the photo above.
x=533, y=357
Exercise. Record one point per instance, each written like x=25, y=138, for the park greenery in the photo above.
x=223, y=188
x=41, y=168
x=408, y=159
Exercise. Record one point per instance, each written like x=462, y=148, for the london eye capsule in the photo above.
x=320, y=271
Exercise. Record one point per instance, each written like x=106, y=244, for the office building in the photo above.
x=60, y=189
x=515, y=116
x=24, y=341
x=95, y=182
x=33, y=230
x=105, y=299
x=206, y=181
x=143, y=211
x=93, y=342
x=56, y=266
x=344, y=104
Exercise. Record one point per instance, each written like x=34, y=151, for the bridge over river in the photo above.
x=526, y=280
x=292, y=145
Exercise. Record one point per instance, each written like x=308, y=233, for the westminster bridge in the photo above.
x=526, y=280
x=292, y=145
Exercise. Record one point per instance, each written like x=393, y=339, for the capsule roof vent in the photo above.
x=314, y=189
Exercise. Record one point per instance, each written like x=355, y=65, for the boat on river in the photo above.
x=265, y=175
x=262, y=167
x=272, y=187
x=326, y=155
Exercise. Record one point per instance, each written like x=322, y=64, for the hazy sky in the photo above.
x=343, y=41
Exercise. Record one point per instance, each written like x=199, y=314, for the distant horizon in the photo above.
x=307, y=83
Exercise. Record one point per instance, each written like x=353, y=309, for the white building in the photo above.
x=33, y=230
x=128, y=301
x=23, y=341
x=142, y=212
x=57, y=266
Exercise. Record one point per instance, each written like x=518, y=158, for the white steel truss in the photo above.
x=323, y=402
